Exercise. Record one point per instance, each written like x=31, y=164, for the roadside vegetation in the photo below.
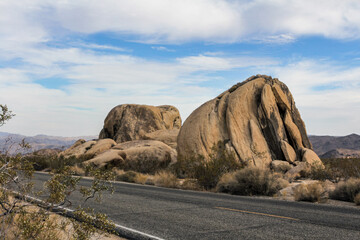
x=22, y=217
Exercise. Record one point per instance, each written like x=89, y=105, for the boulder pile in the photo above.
x=255, y=120
x=134, y=137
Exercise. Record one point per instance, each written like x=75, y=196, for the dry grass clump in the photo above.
x=346, y=190
x=165, y=179
x=123, y=176
x=144, y=179
x=190, y=184
x=133, y=177
x=251, y=181
x=357, y=199
x=312, y=192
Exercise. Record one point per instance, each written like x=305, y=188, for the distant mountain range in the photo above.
x=336, y=147
x=324, y=146
x=9, y=141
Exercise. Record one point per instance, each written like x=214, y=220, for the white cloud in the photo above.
x=164, y=21
x=97, y=81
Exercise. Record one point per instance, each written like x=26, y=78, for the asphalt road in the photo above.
x=179, y=214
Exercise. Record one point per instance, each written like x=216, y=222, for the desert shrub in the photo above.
x=128, y=176
x=53, y=162
x=190, y=184
x=147, y=165
x=346, y=190
x=357, y=199
x=311, y=192
x=338, y=169
x=207, y=171
x=251, y=181
x=165, y=179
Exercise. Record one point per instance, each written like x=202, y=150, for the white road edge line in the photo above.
x=137, y=233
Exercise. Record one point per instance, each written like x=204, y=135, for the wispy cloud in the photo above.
x=162, y=48
x=103, y=47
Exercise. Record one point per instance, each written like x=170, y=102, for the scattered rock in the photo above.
x=280, y=166
x=296, y=171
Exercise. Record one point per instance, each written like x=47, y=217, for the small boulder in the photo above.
x=310, y=157
x=295, y=172
x=289, y=152
x=280, y=166
x=100, y=146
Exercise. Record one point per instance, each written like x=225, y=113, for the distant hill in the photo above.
x=8, y=140
x=336, y=147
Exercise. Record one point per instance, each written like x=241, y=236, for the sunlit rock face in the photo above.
x=256, y=120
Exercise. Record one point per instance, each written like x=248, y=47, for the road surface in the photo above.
x=179, y=214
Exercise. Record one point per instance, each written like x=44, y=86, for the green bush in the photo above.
x=207, y=171
x=251, y=181
x=346, y=190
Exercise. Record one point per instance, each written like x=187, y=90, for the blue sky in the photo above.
x=65, y=64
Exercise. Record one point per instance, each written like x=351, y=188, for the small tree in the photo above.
x=20, y=219
x=5, y=114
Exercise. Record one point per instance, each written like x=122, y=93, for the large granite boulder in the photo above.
x=130, y=122
x=256, y=119
x=146, y=156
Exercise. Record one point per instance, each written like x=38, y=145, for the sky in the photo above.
x=64, y=64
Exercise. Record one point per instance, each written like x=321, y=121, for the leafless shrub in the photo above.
x=251, y=181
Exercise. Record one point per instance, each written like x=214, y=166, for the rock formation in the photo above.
x=256, y=119
x=147, y=156
x=130, y=122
